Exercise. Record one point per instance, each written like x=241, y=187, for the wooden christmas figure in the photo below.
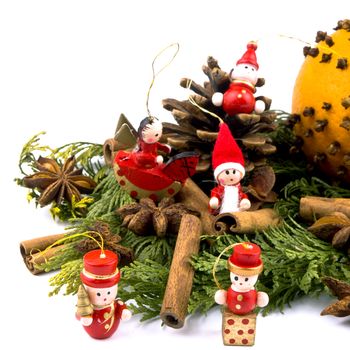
x=239, y=98
x=240, y=300
x=142, y=172
x=98, y=309
x=228, y=166
x=146, y=152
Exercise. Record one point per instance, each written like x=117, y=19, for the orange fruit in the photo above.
x=321, y=103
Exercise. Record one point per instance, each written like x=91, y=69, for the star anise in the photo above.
x=110, y=241
x=145, y=218
x=341, y=290
x=56, y=183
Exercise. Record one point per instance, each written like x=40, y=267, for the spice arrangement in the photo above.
x=229, y=180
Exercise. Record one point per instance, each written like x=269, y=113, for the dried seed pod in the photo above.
x=309, y=112
x=345, y=102
x=326, y=106
x=345, y=123
x=320, y=124
x=342, y=63
x=326, y=57
x=333, y=148
x=320, y=36
x=341, y=238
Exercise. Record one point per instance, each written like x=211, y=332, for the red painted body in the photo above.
x=241, y=303
x=219, y=192
x=146, y=154
x=163, y=180
x=105, y=323
x=239, y=98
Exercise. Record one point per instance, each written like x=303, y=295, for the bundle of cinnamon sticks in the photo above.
x=35, y=252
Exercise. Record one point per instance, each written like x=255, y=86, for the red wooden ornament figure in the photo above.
x=239, y=98
x=142, y=172
x=228, y=166
x=241, y=298
x=100, y=278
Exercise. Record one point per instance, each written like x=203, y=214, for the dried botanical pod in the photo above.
x=57, y=182
x=341, y=290
x=333, y=228
x=146, y=218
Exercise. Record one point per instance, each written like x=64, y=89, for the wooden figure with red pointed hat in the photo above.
x=142, y=172
x=228, y=166
x=241, y=298
x=239, y=98
x=100, y=278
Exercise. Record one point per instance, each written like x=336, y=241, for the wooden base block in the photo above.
x=238, y=329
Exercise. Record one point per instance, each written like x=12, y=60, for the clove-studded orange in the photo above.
x=321, y=102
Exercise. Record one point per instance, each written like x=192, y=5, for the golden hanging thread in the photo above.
x=154, y=74
x=62, y=240
x=217, y=261
x=194, y=103
x=305, y=42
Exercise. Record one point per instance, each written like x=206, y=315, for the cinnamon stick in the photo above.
x=194, y=198
x=30, y=251
x=245, y=222
x=109, y=149
x=178, y=289
x=35, y=260
x=312, y=208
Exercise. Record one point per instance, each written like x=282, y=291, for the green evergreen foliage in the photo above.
x=294, y=259
x=144, y=283
x=294, y=262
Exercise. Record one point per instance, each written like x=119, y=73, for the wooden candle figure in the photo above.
x=239, y=98
x=146, y=152
x=98, y=310
x=240, y=300
x=228, y=166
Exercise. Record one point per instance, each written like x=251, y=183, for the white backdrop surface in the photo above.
x=70, y=68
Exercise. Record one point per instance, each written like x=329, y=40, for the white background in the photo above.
x=70, y=68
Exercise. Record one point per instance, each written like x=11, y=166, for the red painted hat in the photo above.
x=100, y=269
x=226, y=154
x=245, y=259
x=249, y=56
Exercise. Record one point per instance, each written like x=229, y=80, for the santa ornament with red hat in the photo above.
x=228, y=166
x=98, y=309
x=239, y=98
x=245, y=265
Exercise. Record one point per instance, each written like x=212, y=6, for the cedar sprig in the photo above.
x=87, y=154
x=144, y=282
x=68, y=277
x=152, y=248
x=289, y=202
x=294, y=262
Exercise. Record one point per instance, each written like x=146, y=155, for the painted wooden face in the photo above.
x=102, y=296
x=229, y=177
x=243, y=283
x=152, y=133
x=245, y=72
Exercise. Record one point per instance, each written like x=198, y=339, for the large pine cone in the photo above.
x=197, y=130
